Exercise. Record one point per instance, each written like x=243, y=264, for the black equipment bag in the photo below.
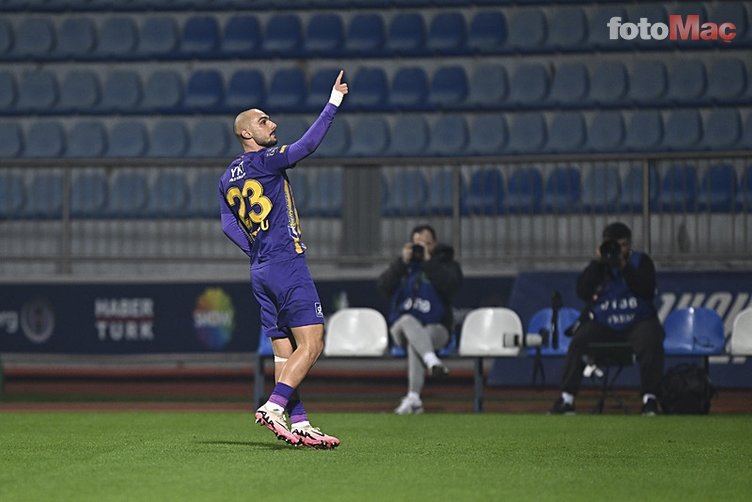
x=686, y=389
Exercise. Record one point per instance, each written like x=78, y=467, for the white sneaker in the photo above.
x=409, y=406
x=275, y=421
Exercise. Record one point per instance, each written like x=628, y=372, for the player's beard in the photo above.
x=269, y=142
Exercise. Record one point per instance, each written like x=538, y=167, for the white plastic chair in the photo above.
x=356, y=332
x=741, y=334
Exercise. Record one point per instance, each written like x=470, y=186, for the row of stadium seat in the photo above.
x=412, y=192
x=417, y=33
x=605, y=83
x=407, y=135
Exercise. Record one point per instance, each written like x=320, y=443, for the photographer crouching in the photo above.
x=619, y=288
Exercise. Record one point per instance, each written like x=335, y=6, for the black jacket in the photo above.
x=640, y=279
x=442, y=270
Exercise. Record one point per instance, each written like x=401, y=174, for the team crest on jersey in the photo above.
x=237, y=172
x=271, y=152
x=319, y=310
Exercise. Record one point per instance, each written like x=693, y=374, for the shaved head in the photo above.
x=255, y=130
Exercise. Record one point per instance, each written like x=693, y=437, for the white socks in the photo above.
x=645, y=397
x=567, y=398
x=431, y=360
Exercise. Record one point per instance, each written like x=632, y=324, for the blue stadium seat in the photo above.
x=567, y=28
x=684, y=9
x=12, y=195
x=88, y=197
x=326, y=194
x=727, y=81
x=245, y=89
x=204, y=196
x=370, y=137
x=608, y=83
x=527, y=133
x=569, y=85
x=486, y=193
x=488, y=134
x=448, y=135
x=631, y=199
x=540, y=322
x=163, y=91
x=34, y=38
x=409, y=136
x=566, y=133
x=409, y=88
x=241, y=36
x=6, y=39
x=47, y=202
x=693, y=331
x=683, y=130
x=448, y=87
x=678, y=188
x=407, y=34
x=8, y=92
x=441, y=192
x=291, y=129
x=320, y=88
x=122, y=92
x=372, y=89
x=169, y=196
x=204, y=91
x=525, y=191
x=723, y=129
x=337, y=140
x=488, y=32
x=718, y=188
x=447, y=33
x=283, y=35
x=644, y=131
x=406, y=194
x=527, y=29
x=80, y=92
x=129, y=195
x=209, y=138
x=37, y=91
x=76, y=38
x=200, y=36
x=11, y=139
x=87, y=138
x=648, y=82
x=606, y=131
x=598, y=33
x=653, y=12
x=529, y=84
x=324, y=34
x=365, y=34
x=744, y=195
x=287, y=90
x=45, y=138
x=562, y=190
x=488, y=87
x=601, y=189
x=686, y=81
x=169, y=138
x=735, y=13
x=118, y=37
x=128, y=139
x=159, y=37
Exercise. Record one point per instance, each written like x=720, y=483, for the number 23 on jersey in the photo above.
x=252, y=205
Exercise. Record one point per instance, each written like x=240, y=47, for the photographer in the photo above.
x=619, y=288
x=421, y=283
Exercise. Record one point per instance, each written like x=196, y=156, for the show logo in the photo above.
x=214, y=318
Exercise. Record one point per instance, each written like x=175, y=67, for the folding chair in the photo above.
x=601, y=359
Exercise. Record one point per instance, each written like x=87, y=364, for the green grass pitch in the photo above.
x=225, y=456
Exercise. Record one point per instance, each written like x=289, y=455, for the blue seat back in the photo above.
x=488, y=32
x=365, y=34
x=447, y=33
x=562, y=190
x=89, y=195
x=541, y=322
x=200, y=37
x=679, y=188
x=406, y=193
x=644, y=131
x=486, y=193
x=694, y=331
x=129, y=195
x=118, y=36
x=324, y=34
x=45, y=138
x=122, y=91
x=12, y=195
x=169, y=195
x=525, y=191
x=283, y=35
x=159, y=37
x=407, y=34
x=566, y=133
x=718, y=188
x=601, y=189
x=241, y=36
x=87, y=138
x=489, y=134
x=128, y=139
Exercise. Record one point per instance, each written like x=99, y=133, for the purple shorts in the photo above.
x=287, y=296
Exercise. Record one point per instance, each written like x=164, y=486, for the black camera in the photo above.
x=611, y=252
x=419, y=253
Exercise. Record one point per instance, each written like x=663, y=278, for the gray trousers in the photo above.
x=417, y=340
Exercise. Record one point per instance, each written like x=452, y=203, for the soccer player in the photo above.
x=259, y=215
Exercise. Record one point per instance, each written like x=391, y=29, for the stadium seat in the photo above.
x=337, y=140
x=200, y=37
x=685, y=9
x=245, y=89
x=365, y=34
x=527, y=30
x=128, y=139
x=122, y=92
x=356, y=332
x=80, y=92
x=448, y=135
x=608, y=83
x=631, y=199
x=88, y=196
x=241, y=36
x=566, y=133
x=47, y=202
x=567, y=28
x=488, y=32
x=409, y=136
x=158, y=38
x=409, y=88
x=209, y=138
x=45, y=138
x=735, y=13
x=6, y=39
x=527, y=133
x=488, y=86
x=128, y=195
x=283, y=35
x=441, y=191
x=606, y=131
x=744, y=196
x=727, y=81
x=693, y=331
x=647, y=82
x=76, y=38
x=287, y=90
x=118, y=37
x=204, y=91
x=87, y=138
x=448, y=87
x=723, y=129
x=718, y=188
x=529, y=84
x=169, y=138
x=370, y=137
x=12, y=195
x=486, y=193
x=654, y=13
x=446, y=33
x=8, y=92
x=525, y=191
x=169, y=196
x=11, y=139
x=324, y=34
x=372, y=86
x=298, y=179
x=678, y=189
x=569, y=85
x=290, y=129
x=320, y=88
x=326, y=194
x=601, y=189
x=34, y=38
x=37, y=91
x=163, y=91
x=683, y=130
x=406, y=193
x=488, y=134
x=562, y=190
x=740, y=343
x=204, y=196
x=483, y=329
x=598, y=33
x=540, y=324
x=644, y=131
x=407, y=34
x=686, y=81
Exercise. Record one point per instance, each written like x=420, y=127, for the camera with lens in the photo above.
x=419, y=253
x=610, y=251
